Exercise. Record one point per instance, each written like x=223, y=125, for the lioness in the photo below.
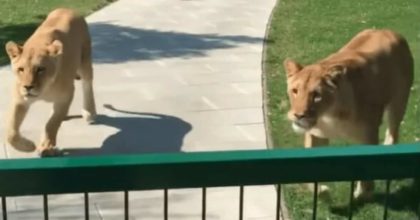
x=346, y=94
x=58, y=52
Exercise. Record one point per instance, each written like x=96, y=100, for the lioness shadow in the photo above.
x=406, y=198
x=138, y=133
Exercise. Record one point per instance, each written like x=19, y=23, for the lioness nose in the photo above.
x=299, y=116
x=28, y=87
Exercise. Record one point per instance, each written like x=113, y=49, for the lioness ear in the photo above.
x=55, y=48
x=13, y=49
x=334, y=74
x=291, y=67
x=337, y=70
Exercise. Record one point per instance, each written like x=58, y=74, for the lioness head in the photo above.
x=311, y=90
x=35, y=67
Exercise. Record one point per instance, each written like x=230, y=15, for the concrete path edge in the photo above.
x=283, y=208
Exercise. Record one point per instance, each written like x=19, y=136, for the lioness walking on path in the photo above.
x=56, y=54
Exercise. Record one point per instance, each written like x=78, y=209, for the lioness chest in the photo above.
x=332, y=127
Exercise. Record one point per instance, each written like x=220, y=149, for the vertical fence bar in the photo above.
x=418, y=209
x=4, y=207
x=351, y=200
x=45, y=201
x=165, y=205
x=241, y=202
x=278, y=203
x=387, y=191
x=203, y=208
x=126, y=205
x=416, y=185
x=315, y=201
x=86, y=198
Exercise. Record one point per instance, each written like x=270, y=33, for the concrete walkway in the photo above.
x=171, y=75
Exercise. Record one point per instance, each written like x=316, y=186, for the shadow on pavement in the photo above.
x=113, y=43
x=138, y=133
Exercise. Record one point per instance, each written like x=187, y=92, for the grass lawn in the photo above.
x=19, y=18
x=308, y=30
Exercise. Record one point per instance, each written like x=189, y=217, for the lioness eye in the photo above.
x=20, y=70
x=294, y=91
x=40, y=70
x=317, y=97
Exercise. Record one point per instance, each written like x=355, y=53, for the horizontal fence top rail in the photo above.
x=206, y=169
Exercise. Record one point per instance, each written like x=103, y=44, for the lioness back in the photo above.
x=71, y=30
x=379, y=63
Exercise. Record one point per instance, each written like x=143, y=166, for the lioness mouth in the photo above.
x=304, y=123
x=29, y=95
x=301, y=126
x=298, y=129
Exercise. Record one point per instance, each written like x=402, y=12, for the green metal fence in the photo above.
x=204, y=169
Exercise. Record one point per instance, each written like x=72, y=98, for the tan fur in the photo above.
x=346, y=94
x=58, y=52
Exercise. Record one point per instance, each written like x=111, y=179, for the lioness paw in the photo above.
x=88, y=116
x=362, y=196
x=50, y=152
x=323, y=189
x=324, y=193
x=21, y=143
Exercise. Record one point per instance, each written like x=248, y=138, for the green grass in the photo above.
x=308, y=30
x=19, y=18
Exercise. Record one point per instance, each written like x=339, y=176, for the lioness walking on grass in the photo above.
x=346, y=94
x=56, y=54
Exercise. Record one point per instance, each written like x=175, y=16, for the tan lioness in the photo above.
x=346, y=94
x=56, y=54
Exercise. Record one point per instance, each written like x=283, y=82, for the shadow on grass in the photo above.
x=18, y=33
x=405, y=198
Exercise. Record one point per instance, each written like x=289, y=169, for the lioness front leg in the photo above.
x=364, y=189
x=86, y=73
x=313, y=141
x=16, y=116
x=89, y=109
x=48, y=140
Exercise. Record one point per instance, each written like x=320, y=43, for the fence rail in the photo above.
x=205, y=169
